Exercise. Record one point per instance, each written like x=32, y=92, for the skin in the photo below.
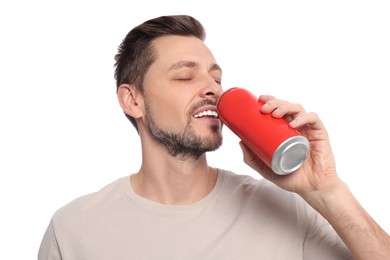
x=172, y=94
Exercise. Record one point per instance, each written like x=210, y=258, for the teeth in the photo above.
x=207, y=113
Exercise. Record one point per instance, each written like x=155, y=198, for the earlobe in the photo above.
x=129, y=99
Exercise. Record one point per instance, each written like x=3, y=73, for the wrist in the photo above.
x=331, y=200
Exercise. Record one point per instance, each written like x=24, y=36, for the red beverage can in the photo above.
x=280, y=146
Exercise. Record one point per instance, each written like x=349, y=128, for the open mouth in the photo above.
x=209, y=113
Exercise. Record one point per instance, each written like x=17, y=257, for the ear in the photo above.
x=130, y=100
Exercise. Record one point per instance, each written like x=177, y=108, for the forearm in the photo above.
x=362, y=235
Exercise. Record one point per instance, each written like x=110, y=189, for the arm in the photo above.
x=318, y=184
x=362, y=235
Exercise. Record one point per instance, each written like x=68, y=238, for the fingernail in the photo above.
x=293, y=122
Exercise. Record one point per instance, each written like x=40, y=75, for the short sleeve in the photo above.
x=323, y=243
x=49, y=247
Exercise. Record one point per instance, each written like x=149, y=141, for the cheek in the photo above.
x=169, y=114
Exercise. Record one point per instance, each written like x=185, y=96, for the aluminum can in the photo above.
x=277, y=144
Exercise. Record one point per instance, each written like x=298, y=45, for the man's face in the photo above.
x=181, y=89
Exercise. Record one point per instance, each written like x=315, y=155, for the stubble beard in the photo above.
x=186, y=145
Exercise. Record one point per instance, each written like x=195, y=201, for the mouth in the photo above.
x=208, y=113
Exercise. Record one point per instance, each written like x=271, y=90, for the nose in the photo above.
x=212, y=90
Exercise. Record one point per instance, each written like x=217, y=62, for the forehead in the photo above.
x=173, y=49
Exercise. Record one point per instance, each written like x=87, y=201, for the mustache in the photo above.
x=201, y=104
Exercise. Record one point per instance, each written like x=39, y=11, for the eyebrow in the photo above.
x=191, y=64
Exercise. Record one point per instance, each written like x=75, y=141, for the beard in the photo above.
x=186, y=144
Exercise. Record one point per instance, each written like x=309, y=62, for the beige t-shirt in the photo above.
x=242, y=218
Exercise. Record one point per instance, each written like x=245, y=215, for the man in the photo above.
x=177, y=206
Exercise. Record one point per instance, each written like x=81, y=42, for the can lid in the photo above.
x=290, y=155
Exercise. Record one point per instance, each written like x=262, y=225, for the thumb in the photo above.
x=253, y=161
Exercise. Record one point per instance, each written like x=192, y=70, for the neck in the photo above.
x=169, y=180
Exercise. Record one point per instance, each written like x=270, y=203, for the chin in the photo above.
x=213, y=143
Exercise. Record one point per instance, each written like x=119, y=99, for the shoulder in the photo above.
x=264, y=198
x=92, y=203
x=263, y=194
x=250, y=184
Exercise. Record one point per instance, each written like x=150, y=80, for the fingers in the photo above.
x=293, y=113
x=279, y=108
x=311, y=119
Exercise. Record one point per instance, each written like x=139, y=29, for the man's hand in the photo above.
x=318, y=173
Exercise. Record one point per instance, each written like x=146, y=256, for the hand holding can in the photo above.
x=280, y=146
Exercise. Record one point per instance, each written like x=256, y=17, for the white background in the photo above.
x=62, y=133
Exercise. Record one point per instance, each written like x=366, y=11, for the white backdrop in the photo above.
x=62, y=133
